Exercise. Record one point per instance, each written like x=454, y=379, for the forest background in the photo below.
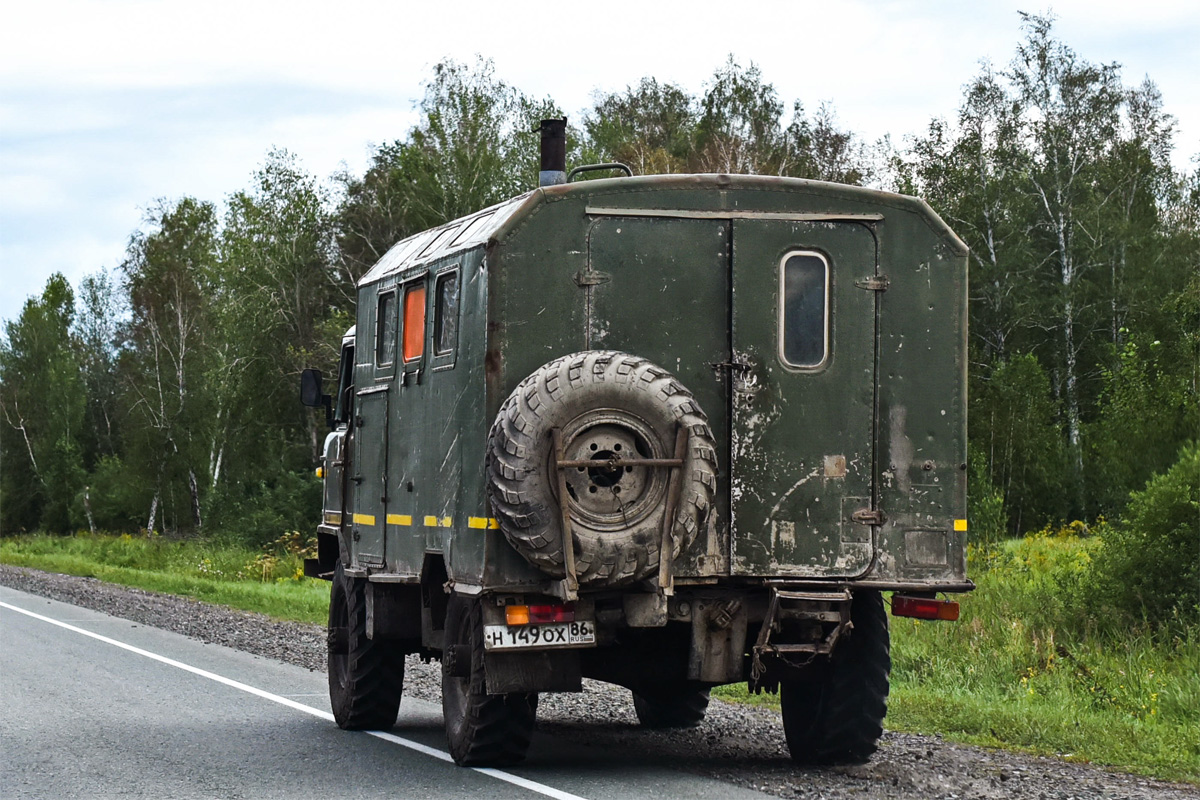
x=162, y=396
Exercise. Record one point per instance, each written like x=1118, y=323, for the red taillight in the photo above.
x=924, y=608
x=538, y=615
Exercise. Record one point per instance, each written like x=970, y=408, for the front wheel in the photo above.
x=481, y=729
x=366, y=677
x=837, y=717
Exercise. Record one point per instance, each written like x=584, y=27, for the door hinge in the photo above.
x=876, y=283
x=591, y=277
x=869, y=516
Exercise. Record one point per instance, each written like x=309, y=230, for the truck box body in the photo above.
x=847, y=463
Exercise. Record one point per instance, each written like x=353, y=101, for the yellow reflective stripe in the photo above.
x=960, y=525
x=364, y=519
x=431, y=522
x=399, y=519
x=445, y=523
x=483, y=522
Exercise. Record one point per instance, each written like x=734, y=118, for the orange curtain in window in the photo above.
x=414, y=323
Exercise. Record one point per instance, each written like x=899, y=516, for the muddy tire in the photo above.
x=606, y=405
x=671, y=707
x=482, y=730
x=366, y=677
x=838, y=717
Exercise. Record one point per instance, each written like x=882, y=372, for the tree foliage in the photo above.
x=162, y=395
x=43, y=402
x=169, y=277
x=475, y=145
x=1083, y=243
x=737, y=125
x=1148, y=567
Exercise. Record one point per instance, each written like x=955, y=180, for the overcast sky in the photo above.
x=109, y=104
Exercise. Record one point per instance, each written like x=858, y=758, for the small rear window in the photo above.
x=385, y=330
x=445, y=326
x=804, y=310
x=414, y=323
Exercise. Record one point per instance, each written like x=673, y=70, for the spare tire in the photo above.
x=606, y=405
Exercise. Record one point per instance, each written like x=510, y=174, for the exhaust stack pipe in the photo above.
x=554, y=152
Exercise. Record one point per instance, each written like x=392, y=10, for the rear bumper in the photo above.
x=880, y=586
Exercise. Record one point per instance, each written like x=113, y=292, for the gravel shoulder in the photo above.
x=736, y=743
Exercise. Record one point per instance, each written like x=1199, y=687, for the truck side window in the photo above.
x=445, y=324
x=804, y=310
x=385, y=330
x=345, y=396
x=414, y=323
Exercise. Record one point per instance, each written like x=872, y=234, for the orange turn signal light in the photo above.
x=924, y=608
x=538, y=615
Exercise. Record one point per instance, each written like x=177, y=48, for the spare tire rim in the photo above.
x=612, y=498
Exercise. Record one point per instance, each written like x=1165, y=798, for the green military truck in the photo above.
x=669, y=432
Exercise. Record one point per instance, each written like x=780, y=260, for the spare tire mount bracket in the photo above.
x=571, y=582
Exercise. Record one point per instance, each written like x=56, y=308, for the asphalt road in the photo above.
x=96, y=706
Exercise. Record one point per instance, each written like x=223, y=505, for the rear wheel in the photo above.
x=366, y=677
x=482, y=729
x=837, y=718
x=671, y=707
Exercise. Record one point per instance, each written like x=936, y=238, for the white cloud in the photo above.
x=106, y=106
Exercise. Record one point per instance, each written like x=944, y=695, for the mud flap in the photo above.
x=718, y=641
x=542, y=671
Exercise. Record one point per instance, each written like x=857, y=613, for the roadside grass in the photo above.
x=269, y=581
x=1029, y=666
x=1036, y=663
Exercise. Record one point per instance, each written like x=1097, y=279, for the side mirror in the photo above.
x=310, y=388
x=311, y=396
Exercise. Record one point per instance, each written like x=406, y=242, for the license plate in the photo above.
x=554, y=634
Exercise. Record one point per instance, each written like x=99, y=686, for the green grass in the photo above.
x=268, y=582
x=1032, y=665
x=1035, y=663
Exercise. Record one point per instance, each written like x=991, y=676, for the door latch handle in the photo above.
x=730, y=367
x=869, y=516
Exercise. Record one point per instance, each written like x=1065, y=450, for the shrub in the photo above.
x=255, y=514
x=985, y=504
x=1149, y=565
x=118, y=503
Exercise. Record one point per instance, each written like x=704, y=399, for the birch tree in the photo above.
x=42, y=405
x=740, y=127
x=280, y=312
x=651, y=127
x=96, y=333
x=168, y=276
x=1072, y=110
x=476, y=144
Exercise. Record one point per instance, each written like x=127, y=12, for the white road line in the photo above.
x=516, y=780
